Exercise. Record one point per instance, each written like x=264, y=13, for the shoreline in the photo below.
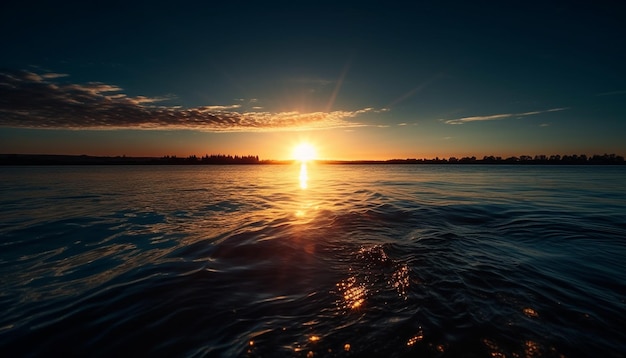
x=55, y=159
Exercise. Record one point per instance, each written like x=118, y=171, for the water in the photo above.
x=327, y=260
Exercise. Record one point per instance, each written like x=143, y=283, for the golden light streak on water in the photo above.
x=416, y=338
x=354, y=293
x=532, y=349
x=494, y=349
x=400, y=280
x=529, y=312
x=304, y=176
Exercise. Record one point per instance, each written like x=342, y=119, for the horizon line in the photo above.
x=496, y=158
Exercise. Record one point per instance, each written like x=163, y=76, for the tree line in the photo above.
x=51, y=159
x=34, y=159
x=524, y=159
x=211, y=159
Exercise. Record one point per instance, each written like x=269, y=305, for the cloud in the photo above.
x=31, y=100
x=612, y=93
x=219, y=108
x=499, y=116
x=53, y=75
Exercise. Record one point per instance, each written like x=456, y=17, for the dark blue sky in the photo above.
x=373, y=80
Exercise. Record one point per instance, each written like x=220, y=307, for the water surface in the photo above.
x=330, y=260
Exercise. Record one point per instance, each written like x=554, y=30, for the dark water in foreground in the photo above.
x=364, y=261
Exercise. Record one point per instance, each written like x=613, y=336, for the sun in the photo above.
x=304, y=152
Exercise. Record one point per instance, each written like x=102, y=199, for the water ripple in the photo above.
x=366, y=261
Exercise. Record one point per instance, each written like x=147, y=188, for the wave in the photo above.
x=376, y=270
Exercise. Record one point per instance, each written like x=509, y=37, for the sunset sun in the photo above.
x=304, y=152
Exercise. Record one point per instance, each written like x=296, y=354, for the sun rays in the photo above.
x=304, y=152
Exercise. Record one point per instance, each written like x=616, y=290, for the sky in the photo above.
x=373, y=80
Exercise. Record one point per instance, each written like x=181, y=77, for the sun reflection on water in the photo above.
x=418, y=337
x=375, y=273
x=307, y=201
x=304, y=176
x=353, y=292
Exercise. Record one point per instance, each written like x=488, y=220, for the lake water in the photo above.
x=327, y=260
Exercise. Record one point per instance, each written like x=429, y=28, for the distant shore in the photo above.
x=51, y=159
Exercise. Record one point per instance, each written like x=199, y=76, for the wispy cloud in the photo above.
x=53, y=75
x=219, y=108
x=494, y=117
x=612, y=93
x=31, y=100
